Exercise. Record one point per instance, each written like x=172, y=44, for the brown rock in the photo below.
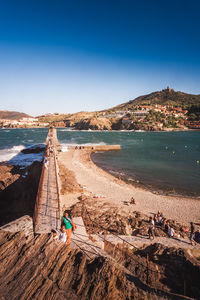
x=94, y=124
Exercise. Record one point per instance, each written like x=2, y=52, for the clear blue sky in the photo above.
x=73, y=55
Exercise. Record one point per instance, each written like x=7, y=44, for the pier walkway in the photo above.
x=47, y=208
x=47, y=216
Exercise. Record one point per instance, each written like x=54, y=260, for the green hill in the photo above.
x=12, y=115
x=165, y=97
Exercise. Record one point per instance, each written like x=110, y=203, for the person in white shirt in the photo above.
x=171, y=231
x=151, y=230
x=62, y=234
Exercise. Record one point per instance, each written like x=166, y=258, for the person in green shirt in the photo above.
x=68, y=225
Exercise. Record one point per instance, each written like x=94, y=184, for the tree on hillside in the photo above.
x=154, y=116
x=194, y=113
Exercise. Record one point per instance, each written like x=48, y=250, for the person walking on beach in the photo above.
x=192, y=233
x=151, y=230
x=68, y=225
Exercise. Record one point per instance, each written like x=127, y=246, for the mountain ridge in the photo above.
x=167, y=96
x=12, y=115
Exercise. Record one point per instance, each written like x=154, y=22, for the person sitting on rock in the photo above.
x=167, y=226
x=155, y=218
x=159, y=219
x=151, y=230
x=171, y=231
x=54, y=234
x=62, y=234
x=164, y=223
x=132, y=201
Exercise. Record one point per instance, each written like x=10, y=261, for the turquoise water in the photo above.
x=12, y=141
x=160, y=160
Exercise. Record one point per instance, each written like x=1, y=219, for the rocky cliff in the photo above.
x=44, y=268
x=94, y=124
x=18, y=189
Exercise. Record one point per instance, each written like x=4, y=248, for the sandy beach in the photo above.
x=96, y=181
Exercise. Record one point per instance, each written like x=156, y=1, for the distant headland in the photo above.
x=164, y=110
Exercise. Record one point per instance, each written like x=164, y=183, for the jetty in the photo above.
x=95, y=147
x=47, y=207
x=48, y=214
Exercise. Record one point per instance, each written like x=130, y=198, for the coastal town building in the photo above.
x=140, y=114
x=24, y=122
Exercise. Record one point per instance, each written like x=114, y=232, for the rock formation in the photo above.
x=44, y=268
x=18, y=191
x=94, y=124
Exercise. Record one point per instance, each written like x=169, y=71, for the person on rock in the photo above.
x=132, y=201
x=171, y=232
x=151, y=230
x=159, y=218
x=69, y=224
x=62, y=234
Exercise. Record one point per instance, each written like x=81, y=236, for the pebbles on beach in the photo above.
x=97, y=181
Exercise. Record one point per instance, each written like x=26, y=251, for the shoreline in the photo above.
x=95, y=180
x=140, y=184
x=112, y=130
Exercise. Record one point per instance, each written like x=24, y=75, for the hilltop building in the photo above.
x=168, y=89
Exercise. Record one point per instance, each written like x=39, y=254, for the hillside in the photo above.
x=165, y=97
x=12, y=115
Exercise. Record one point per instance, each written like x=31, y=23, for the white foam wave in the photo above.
x=8, y=153
x=15, y=157
x=64, y=147
x=25, y=160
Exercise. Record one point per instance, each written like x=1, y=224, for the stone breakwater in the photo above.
x=95, y=147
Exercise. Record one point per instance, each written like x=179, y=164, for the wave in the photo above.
x=15, y=157
x=8, y=153
x=24, y=160
x=64, y=147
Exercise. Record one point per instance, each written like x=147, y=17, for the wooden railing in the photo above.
x=51, y=135
x=39, y=192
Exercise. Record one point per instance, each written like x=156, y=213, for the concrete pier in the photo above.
x=47, y=208
x=47, y=214
x=96, y=147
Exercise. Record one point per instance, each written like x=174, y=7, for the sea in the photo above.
x=164, y=162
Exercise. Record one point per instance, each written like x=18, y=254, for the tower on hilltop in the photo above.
x=168, y=89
